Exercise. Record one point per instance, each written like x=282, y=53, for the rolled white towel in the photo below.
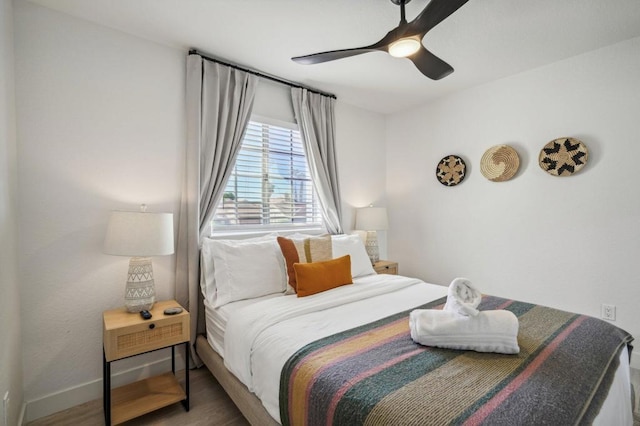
x=489, y=331
x=463, y=297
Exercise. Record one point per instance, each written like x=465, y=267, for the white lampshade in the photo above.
x=139, y=234
x=372, y=219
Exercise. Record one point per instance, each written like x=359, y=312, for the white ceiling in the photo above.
x=484, y=40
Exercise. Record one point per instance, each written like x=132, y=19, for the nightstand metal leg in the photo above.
x=187, y=358
x=173, y=360
x=106, y=389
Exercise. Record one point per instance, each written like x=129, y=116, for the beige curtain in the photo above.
x=219, y=101
x=316, y=119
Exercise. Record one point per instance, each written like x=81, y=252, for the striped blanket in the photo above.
x=376, y=375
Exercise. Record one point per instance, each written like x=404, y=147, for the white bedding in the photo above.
x=261, y=334
x=216, y=319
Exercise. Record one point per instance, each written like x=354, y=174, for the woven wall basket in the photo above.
x=499, y=163
x=451, y=170
x=563, y=157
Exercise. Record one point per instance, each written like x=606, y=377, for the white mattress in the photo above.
x=259, y=335
x=216, y=319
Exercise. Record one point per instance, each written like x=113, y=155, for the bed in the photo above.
x=285, y=359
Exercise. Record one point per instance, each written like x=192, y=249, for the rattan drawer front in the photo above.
x=126, y=334
x=124, y=342
x=157, y=336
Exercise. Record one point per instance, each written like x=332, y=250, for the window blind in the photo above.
x=270, y=186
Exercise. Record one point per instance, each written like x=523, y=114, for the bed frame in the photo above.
x=248, y=404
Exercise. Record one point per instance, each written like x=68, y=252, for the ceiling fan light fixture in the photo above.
x=404, y=47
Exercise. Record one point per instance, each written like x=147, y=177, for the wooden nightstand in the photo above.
x=125, y=335
x=386, y=267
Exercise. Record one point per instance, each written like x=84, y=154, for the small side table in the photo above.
x=386, y=267
x=127, y=334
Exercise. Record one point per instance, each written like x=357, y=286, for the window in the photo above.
x=270, y=186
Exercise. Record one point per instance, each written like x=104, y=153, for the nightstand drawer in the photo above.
x=386, y=267
x=151, y=336
x=392, y=270
x=143, y=335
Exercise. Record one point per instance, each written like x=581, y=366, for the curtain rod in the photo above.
x=262, y=75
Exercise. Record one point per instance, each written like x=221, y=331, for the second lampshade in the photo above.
x=372, y=219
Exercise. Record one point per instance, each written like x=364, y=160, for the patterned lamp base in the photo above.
x=140, y=293
x=372, y=246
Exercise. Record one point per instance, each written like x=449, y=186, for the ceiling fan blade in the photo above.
x=382, y=45
x=430, y=65
x=434, y=13
x=317, y=58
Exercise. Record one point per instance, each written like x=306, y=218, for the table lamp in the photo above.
x=139, y=235
x=372, y=219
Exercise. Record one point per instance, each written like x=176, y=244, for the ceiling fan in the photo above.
x=404, y=41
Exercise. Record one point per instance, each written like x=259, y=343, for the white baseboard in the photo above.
x=89, y=391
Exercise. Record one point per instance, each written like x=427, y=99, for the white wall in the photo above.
x=101, y=127
x=10, y=346
x=361, y=154
x=273, y=100
x=570, y=242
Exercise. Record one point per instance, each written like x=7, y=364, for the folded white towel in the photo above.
x=463, y=297
x=489, y=331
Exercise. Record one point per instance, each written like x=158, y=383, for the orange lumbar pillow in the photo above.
x=312, y=278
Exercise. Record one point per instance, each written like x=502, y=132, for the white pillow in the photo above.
x=246, y=269
x=207, y=279
x=353, y=246
x=207, y=267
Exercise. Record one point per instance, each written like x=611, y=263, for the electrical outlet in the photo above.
x=609, y=312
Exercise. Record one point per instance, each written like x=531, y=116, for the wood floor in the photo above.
x=210, y=405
